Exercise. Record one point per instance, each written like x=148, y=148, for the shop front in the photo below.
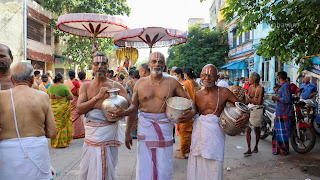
x=63, y=65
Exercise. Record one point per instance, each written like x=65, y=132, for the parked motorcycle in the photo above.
x=302, y=135
x=269, y=115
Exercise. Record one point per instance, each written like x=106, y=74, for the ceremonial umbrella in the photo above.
x=150, y=37
x=91, y=25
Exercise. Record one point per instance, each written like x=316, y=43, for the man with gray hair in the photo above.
x=255, y=100
x=144, y=70
x=308, y=89
x=6, y=59
x=26, y=119
x=155, y=136
x=222, y=82
x=102, y=137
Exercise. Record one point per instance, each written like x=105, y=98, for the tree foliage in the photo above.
x=203, y=47
x=79, y=48
x=295, y=26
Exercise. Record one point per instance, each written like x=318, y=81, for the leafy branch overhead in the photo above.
x=79, y=49
x=295, y=26
x=203, y=47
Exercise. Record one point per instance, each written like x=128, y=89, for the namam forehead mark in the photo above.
x=209, y=69
x=157, y=56
x=100, y=59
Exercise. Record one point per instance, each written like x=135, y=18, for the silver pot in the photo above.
x=228, y=119
x=109, y=103
x=176, y=106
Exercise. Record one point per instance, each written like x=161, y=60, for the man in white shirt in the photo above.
x=222, y=82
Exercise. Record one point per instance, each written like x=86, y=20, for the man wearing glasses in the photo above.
x=207, y=142
x=155, y=150
x=102, y=138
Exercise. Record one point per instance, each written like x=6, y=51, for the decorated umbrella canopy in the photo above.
x=91, y=25
x=127, y=52
x=150, y=37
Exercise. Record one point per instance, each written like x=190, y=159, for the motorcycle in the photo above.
x=302, y=135
x=269, y=115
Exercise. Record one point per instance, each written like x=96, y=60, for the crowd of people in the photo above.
x=34, y=107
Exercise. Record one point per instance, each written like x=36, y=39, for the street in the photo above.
x=262, y=165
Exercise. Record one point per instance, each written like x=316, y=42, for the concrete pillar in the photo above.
x=260, y=66
x=272, y=74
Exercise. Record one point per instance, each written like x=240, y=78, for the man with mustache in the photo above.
x=155, y=140
x=102, y=137
x=6, y=59
x=207, y=142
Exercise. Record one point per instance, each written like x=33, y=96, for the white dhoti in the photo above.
x=100, y=148
x=155, y=150
x=207, y=149
x=16, y=165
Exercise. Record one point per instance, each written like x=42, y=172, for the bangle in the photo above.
x=95, y=99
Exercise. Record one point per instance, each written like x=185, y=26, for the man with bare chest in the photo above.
x=6, y=59
x=255, y=100
x=207, y=142
x=155, y=150
x=102, y=137
x=26, y=121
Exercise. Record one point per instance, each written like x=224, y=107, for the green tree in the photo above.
x=203, y=47
x=295, y=26
x=79, y=48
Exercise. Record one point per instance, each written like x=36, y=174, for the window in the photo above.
x=240, y=39
x=234, y=41
x=35, y=30
x=48, y=35
x=247, y=36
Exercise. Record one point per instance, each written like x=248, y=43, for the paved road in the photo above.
x=262, y=165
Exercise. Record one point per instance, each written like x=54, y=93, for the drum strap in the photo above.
x=16, y=124
x=166, y=97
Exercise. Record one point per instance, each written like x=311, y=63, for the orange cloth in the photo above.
x=189, y=88
x=185, y=129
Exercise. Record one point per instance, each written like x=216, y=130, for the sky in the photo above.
x=165, y=13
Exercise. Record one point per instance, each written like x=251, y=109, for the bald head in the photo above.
x=22, y=72
x=2, y=46
x=157, y=56
x=209, y=69
x=209, y=75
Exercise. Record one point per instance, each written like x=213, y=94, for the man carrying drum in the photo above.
x=255, y=99
x=155, y=150
x=207, y=142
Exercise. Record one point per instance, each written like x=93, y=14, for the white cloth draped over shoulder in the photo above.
x=14, y=165
x=207, y=149
x=100, y=148
x=155, y=150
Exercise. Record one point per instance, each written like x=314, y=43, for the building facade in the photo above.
x=26, y=31
x=241, y=52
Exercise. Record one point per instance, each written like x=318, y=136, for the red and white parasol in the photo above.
x=150, y=37
x=91, y=25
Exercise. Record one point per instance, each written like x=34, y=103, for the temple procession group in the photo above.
x=34, y=107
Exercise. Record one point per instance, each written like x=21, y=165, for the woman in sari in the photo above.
x=130, y=83
x=45, y=83
x=60, y=97
x=82, y=77
x=185, y=129
x=238, y=91
x=77, y=119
